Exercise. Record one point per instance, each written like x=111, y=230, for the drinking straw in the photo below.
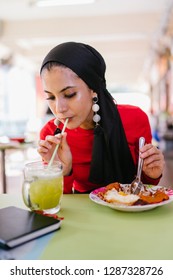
x=57, y=146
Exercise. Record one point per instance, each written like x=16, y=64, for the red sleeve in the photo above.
x=136, y=124
x=147, y=180
x=48, y=129
x=68, y=184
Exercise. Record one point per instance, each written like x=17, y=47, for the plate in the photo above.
x=136, y=208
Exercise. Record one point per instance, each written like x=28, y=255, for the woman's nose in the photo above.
x=61, y=105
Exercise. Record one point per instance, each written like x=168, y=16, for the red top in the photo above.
x=135, y=123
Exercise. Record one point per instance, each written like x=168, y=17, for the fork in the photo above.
x=136, y=185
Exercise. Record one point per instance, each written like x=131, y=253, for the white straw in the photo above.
x=57, y=146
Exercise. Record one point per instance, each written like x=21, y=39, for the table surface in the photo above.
x=16, y=145
x=91, y=231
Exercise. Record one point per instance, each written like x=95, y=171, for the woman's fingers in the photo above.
x=53, y=139
x=153, y=160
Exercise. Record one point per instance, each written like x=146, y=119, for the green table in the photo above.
x=94, y=232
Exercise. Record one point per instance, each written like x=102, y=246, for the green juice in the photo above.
x=43, y=186
x=45, y=193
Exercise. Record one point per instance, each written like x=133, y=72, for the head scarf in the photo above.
x=111, y=157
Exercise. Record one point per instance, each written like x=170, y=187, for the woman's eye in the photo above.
x=50, y=98
x=65, y=95
x=70, y=95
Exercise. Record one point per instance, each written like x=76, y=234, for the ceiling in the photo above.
x=121, y=30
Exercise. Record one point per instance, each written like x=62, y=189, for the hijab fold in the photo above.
x=111, y=157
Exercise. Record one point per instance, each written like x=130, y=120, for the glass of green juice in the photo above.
x=43, y=186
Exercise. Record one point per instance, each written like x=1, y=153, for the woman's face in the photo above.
x=68, y=97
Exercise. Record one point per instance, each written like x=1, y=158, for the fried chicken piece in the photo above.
x=157, y=197
x=114, y=185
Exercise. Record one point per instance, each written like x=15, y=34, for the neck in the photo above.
x=87, y=125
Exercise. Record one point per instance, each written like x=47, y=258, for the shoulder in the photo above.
x=128, y=108
x=48, y=129
x=135, y=122
x=131, y=112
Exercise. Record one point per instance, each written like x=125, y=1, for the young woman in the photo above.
x=100, y=143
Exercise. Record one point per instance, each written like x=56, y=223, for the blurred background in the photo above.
x=135, y=38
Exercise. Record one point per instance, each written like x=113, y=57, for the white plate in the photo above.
x=136, y=208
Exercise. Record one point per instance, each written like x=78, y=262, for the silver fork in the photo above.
x=136, y=185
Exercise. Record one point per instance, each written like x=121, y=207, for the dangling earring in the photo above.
x=95, y=108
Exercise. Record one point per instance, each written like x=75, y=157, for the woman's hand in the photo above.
x=154, y=162
x=47, y=146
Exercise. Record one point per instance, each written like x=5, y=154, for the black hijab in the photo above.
x=111, y=157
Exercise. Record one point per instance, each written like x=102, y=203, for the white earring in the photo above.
x=95, y=108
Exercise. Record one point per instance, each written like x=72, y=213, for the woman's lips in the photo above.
x=64, y=119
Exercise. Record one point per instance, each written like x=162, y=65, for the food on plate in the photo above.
x=157, y=197
x=123, y=194
x=113, y=196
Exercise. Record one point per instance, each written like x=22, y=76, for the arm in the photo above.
x=136, y=124
x=153, y=164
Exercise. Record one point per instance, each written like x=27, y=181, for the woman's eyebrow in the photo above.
x=62, y=90
x=68, y=87
x=46, y=91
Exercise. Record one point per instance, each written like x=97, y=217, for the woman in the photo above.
x=100, y=143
